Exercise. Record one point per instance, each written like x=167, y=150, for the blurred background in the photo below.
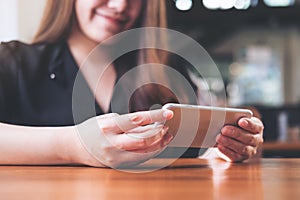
x=254, y=43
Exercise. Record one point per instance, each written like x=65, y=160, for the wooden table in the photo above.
x=184, y=179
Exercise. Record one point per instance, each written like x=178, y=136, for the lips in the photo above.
x=111, y=16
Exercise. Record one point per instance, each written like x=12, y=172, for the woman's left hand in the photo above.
x=241, y=142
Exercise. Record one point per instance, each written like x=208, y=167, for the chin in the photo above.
x=106, y=39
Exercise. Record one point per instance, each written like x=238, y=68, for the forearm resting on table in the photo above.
x=22, y=145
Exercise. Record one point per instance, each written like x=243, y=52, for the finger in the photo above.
x=242, y=135
x=129, y=158
x=237, y=147
x=158, y=145
x=253, y=125
x=149, y=117
x=142, y=129
x=124, y=123
x=136, y=141
x=233, y=156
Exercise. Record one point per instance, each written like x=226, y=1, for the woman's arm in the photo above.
x=105, y=141
x=24, y=145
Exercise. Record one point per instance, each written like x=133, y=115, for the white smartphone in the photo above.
x=197, y=126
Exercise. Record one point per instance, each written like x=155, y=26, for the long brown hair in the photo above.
x=57, y=21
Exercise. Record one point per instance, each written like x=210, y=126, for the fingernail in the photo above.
x=168, y=114
x=245, y=122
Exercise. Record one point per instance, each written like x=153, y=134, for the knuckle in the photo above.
x=147, y=120
x=248, y=152
x=225, y=141
x=260, y=129
x=237, y=133
x=107, y=148
x=119, y=145
x=139, y=120
x=252, y=141
x=245, y=150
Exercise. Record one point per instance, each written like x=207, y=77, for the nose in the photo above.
x=118, y=5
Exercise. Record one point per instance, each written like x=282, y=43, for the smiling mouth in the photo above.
x=115, y=18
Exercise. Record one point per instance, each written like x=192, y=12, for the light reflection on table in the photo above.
x=184, y=179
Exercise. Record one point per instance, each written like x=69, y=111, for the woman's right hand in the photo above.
x=114, y=140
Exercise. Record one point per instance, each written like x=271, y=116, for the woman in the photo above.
x=36, y=92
